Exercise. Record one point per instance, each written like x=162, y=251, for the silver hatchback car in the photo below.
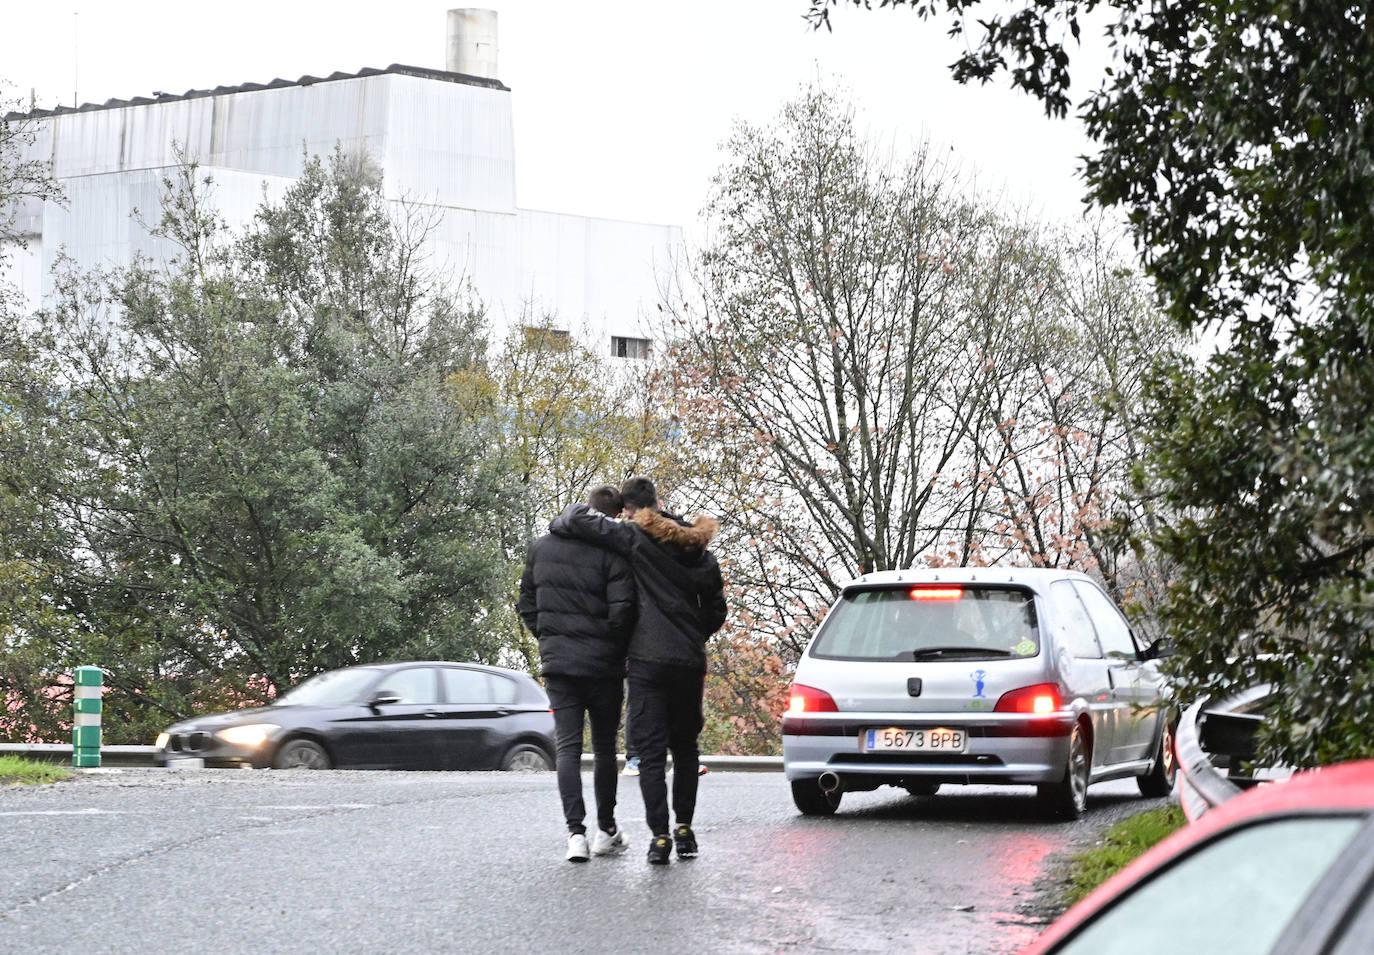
x=975, y=676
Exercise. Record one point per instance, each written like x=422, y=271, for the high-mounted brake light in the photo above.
x=1041, y=699
x=936, y=593
x=808, y=699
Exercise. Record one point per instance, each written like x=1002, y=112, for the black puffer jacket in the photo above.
x=680, y=595
x=579, y=600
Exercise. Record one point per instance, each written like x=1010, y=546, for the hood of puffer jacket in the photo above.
x=696, y=536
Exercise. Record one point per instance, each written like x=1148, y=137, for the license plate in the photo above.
x=938, y=740
x=186, y=762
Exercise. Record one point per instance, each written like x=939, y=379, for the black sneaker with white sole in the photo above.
x=660, y=850
x=686, y=841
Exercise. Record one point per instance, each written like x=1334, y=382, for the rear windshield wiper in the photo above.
x=964, y=650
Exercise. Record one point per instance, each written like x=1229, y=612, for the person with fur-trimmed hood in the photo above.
x=680, y=603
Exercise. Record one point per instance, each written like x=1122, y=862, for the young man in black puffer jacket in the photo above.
x=681, y=602
x=579, y=601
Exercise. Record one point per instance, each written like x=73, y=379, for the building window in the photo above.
x=629, y=347
x=552, y=339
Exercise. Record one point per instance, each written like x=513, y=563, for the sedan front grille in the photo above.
x=188, y=742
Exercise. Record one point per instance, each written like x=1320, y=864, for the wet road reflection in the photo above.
x=473, y=862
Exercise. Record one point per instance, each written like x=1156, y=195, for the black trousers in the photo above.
x=665, y=714
x=600, y=700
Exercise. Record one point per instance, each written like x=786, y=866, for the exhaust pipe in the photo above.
x=830, y=783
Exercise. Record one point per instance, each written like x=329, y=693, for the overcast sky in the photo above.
x=620, y=107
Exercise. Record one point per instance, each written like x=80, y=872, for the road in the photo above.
x=152, y=861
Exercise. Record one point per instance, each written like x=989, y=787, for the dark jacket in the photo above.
x=579, y=600
x=680, y=596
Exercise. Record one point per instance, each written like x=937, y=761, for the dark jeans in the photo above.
x=570, y=698
x=665, y=714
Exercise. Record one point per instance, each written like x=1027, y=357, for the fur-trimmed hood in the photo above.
x=696, y=536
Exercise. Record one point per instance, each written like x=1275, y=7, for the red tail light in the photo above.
x=936, y=593
x=1042, y=698
x=808, y=699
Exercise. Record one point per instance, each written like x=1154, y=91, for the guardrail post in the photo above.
x=86, y=689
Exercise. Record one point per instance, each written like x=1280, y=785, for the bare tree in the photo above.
x=884, y=371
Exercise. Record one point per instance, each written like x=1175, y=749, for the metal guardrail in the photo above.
x=1201, y=785
x=143, y=756
x=62, y=753
x=1215, y=744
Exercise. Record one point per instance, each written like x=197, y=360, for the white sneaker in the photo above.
x=631, y=767
x=577, y=848
x=605, y=844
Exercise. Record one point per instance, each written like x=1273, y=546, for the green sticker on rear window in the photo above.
x=1026, y=648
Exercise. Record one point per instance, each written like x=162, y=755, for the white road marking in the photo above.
x=66, y=812
x=335, y=805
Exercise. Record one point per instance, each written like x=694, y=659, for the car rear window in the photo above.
x=930, y=623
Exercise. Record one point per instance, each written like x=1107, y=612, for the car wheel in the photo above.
x=301, y=754
x=1159, y=781
x=922, y=789
x=526, y=758
x=1068, y=798
x=812, y=801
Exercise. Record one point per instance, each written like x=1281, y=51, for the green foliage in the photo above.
x=1123, y=843
x=1237, y=140
x=15, y=771
x=570, y=419
x=273, y=456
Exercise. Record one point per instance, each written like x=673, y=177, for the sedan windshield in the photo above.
x=331, y=689
x=930, y=623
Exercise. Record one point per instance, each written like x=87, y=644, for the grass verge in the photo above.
x=1119, y=847
x=16, y=770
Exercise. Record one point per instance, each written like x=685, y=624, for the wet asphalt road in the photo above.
x=152, y=861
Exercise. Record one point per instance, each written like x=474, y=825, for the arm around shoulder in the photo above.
x=586, y=524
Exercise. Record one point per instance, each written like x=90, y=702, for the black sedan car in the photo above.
x=420, y=715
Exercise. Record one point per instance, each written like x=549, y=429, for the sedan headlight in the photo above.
x=161, y=741
x=252, y=736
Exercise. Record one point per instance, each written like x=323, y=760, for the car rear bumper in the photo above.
x=1002, y=748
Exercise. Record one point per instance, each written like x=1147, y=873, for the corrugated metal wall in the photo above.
x=444, y=145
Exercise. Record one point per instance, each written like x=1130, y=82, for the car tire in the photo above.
x=922, y=789
x=301, y=754
x=1159, y=781
x=1068, y=798
x=526, y=758
x=812, y=801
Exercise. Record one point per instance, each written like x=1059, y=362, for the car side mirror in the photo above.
x=382, y=697
x=1159, y=650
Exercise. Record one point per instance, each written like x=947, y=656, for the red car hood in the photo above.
x=1346, y=786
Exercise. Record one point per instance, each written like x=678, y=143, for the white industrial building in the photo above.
x=442, y=138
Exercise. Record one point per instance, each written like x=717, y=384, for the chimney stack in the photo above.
x=472, y=42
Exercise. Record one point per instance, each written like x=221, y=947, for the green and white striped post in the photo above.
x=88, y=682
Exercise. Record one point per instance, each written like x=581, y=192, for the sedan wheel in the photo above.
x=301, y=754
x=527, y=759
x=1068, y=798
